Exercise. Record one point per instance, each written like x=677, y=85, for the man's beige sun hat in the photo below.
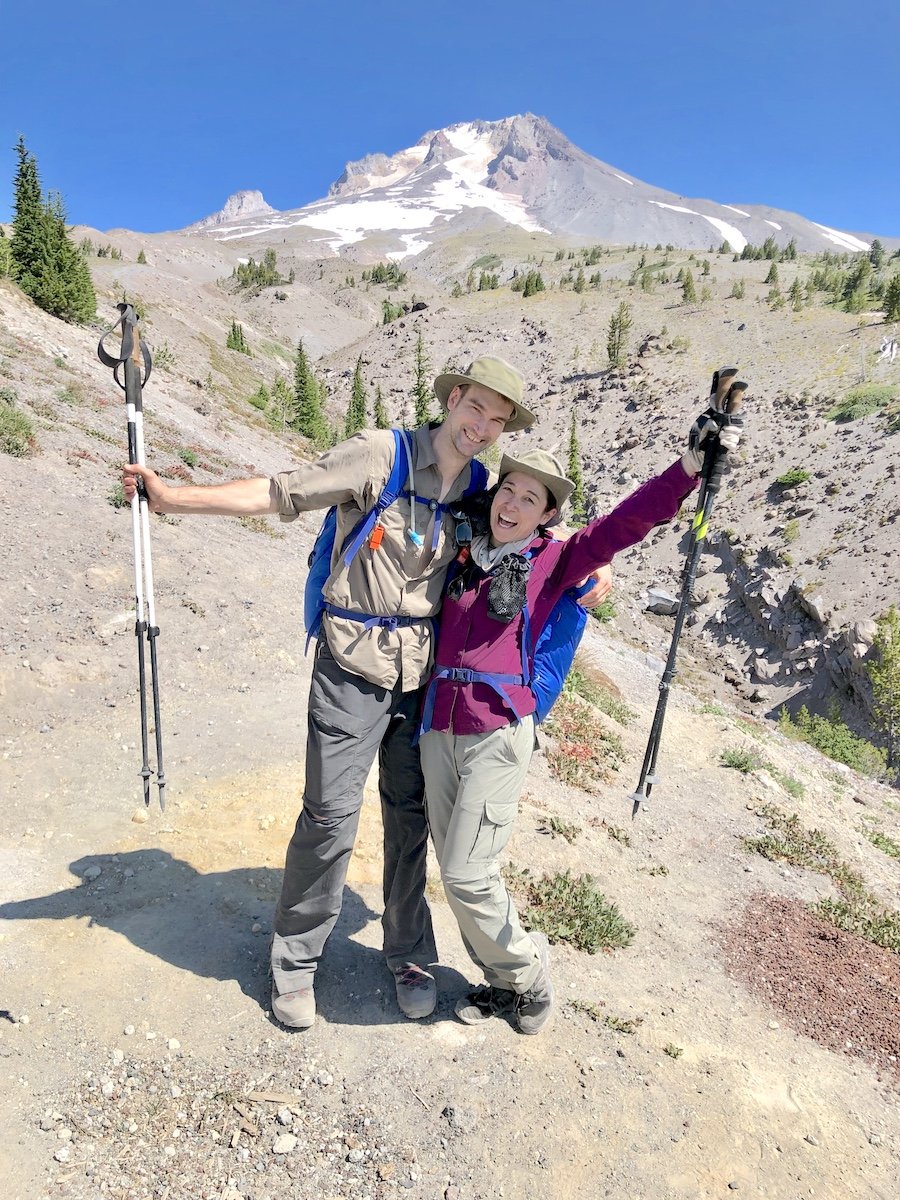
x=492, y=373
x=546, y=470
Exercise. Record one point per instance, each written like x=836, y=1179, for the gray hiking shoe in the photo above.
x=533, y=1008
x=482, y=1003
x=296, y=1009
x=416, y=991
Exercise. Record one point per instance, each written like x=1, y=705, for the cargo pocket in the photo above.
x=496, y=826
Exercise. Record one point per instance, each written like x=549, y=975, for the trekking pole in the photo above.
x=132, y=357
x=725, y=400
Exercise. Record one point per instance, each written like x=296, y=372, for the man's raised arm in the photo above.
x=240, y=498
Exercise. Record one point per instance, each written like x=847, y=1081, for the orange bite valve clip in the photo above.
x=376, y=537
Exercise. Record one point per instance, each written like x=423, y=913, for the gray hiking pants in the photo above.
x=350, y=721
x=472, y=788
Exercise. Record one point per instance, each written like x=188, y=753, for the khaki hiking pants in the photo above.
x=472, y=788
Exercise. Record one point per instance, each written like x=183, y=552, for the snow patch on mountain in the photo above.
x=846, y=240
x=733, y=236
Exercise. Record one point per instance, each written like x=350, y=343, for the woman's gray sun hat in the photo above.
x=546, y=470
x=497, y=375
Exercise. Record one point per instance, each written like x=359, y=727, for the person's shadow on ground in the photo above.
x=204, y=924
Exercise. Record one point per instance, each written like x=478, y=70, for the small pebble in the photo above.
x=875, y=1139
x=150, y=1036
x=140, y=816
x=118, y=1056
x=174, y=1044
x=284, y=1116
x=774, y=1025
x=284, y=1144
x=93, y=873
x=812, y=1139
x=128, y=1030
x=62, y=1154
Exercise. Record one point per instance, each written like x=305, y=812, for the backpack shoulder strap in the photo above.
x=400, y=468
x=478, y=477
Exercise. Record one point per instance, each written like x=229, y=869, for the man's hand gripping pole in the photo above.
x=134, y=357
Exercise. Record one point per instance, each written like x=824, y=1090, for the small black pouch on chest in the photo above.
x=506, y=594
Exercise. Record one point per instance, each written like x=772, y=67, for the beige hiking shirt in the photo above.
x=398, y=578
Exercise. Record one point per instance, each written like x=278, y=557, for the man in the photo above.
x=365, y=690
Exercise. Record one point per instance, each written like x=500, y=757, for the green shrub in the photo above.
x=116, y=496
x=585, y=753
x=189, y=457
x=831, y=736
x=744, y=761
x=861, y=401
x=571, y=910
x=17, y=437
x=605, y=610
x=579, y=683
x=856, y=910
x=792, y=477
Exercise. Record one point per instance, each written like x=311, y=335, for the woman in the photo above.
x=478, y=724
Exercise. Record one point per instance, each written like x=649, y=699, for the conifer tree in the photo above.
x=876, y=254
x=5, y=256
x=580, y=281
x=309, y=419
x=617, y=336
x=578, y=501
x=356, y=411
x=884, y=673
x=46, y=264
x=381, y=417
x=142, y=257
x=283, y=406
x=772, y=276
x=688, y=291
x=796, y=294
x=236, y=340
x=28, y=229
x=892, y=300
x=421, y=390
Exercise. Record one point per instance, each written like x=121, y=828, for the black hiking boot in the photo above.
x=482, y=1003
x=533, y=1008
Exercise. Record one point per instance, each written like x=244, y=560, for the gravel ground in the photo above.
x=832, y=986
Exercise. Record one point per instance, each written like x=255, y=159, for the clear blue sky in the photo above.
x=148, y=116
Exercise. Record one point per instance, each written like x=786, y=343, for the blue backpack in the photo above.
x=555, y=649
x=314, y=602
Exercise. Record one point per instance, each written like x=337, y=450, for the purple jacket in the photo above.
x=470, y=638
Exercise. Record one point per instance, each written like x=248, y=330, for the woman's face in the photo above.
x=520, y=505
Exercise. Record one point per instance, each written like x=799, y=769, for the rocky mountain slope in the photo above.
x=529, y=175
x=739, y=1044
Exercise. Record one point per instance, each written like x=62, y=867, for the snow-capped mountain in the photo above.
x=526, y=173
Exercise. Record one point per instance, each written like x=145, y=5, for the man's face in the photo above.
x=475, y=418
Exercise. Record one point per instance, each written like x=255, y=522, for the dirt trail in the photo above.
x=171, y=938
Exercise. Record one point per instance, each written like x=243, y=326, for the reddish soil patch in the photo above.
x=835, y=987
